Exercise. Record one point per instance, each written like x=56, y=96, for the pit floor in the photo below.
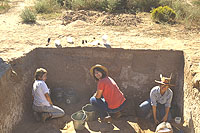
x=128, y=123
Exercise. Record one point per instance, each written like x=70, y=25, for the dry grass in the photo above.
x=4, y=6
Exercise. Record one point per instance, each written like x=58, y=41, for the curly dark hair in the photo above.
x=104, y=74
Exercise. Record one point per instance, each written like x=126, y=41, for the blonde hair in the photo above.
x=39, y=73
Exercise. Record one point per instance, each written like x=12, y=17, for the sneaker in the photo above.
x=45, y=116
x=36, y=116
x=106, y=119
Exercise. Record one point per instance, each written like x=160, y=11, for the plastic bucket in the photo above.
x=90, y=112
x=79, y=119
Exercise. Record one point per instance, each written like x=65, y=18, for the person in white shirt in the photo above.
x=159, y=103
x=41, y=97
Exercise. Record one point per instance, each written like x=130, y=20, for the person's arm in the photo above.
x=98, y=94
x=48, y=98
x=166, y=114
x=167, y=107
x=154, y=115
x=154, y=104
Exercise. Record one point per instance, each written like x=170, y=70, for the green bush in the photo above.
x=28, y=16
x=163, y=14
x=47, y=6
x=185, y=13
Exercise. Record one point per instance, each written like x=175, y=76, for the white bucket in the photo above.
x=90, y=112
x=79, y=120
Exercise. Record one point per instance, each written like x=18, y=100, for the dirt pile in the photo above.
x=101, y=18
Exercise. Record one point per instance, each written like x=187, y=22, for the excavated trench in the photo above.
x=68, y=68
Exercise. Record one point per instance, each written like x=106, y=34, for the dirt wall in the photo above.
x=14, y=87
x=191, y=99
x=133, y=70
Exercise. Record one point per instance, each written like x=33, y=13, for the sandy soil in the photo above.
x=17, y=39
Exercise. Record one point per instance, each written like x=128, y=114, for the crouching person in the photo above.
x=41, y=98
x=108, y=99
x=159, y=103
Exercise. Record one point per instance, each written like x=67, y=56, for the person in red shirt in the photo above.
x=108, y=99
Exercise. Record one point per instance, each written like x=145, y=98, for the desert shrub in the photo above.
x=193, y=17
x=185, y=13
x=102, y=5
x=116, y=5
x=166, y=3
x=86, y=4
x=61, y=2
x=197, y=3
x=112, y=5
x=163, y=14
x=28, y=16
x=4, y=6
x=142, y=5
x=46, y=6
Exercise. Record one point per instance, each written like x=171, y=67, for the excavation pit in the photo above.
x=134, y=71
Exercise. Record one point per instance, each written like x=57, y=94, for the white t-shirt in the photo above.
x=39, y=89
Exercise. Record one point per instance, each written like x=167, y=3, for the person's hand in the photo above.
x=164, y=118
x=156, y=121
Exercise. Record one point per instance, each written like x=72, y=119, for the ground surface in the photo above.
x=17, y=39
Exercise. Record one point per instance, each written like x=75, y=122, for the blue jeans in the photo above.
x=102, y=106
x=146, y=108
x=54, y=110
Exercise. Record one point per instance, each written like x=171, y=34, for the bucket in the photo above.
x=79, y=120
x=90, y=112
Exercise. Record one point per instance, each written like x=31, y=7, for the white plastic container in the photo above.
x=178, y=120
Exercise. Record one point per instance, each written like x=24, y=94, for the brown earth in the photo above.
x=124, y=31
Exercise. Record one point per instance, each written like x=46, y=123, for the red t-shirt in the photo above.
x=111, y=93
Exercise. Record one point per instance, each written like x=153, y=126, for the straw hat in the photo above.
x=100, y=66
x=165, y=80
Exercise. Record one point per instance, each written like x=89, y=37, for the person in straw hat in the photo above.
x=108, y=99
x=159, y=103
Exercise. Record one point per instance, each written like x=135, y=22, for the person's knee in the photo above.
x=144, y=106
x=62, y=113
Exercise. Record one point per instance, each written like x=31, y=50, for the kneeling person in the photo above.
x=41, y=99
x=108, y=99
x=159, y=102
